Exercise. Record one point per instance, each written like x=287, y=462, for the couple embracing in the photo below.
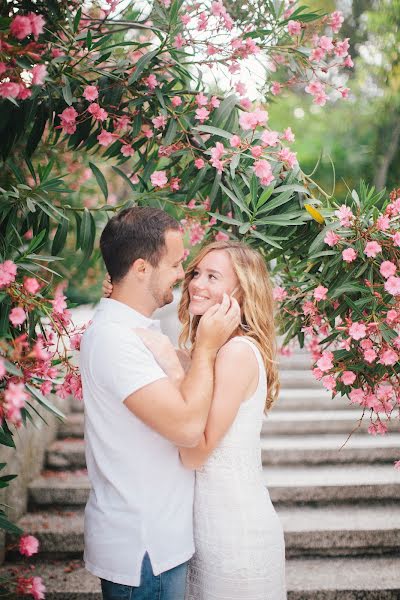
x=178, y=509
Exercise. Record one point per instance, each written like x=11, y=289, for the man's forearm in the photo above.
x=198, y=386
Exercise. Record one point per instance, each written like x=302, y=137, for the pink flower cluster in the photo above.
x=31, y=586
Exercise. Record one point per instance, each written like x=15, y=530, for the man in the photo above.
x=138, y=519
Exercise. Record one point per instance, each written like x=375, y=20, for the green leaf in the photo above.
x=77, y=19
x=171, y=131
x=7, y=525
x=214, y=131
x=60, y=237
x=66, y=90
x=224, y=110
x=225, y=219
x=266, y=239
x=101, y=180
x=234, y=199
x=141, y=65
x=44, y=401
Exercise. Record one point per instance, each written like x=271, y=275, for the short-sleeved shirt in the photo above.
x=141, y=496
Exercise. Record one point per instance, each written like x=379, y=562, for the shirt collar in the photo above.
x=118, y=311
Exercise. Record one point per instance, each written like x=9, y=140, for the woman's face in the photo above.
x=212, y=277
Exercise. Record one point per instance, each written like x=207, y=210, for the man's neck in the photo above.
x=139, y=304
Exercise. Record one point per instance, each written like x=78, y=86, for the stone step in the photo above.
x=316, y=422
x=299, y=379
x=332, y=484
x=376, y=578
x=327, y=448
x=297, y=361
x=277, y=422
x=287, y=484
x=309, y=399
x=309, y=531
x=281, y=449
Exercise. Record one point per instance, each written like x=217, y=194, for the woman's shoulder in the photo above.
x=239, y=349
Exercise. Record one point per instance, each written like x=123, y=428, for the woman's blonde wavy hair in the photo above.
x=255, y=299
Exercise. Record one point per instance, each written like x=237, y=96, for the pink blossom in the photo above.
x=288, y=135
x=320, y=98
x=127, y=150
x=263, y=170
x=331, y=238
x=59, y=304
x=276, y=88
x=270, y=138
x=341, y=48
x=383, y=223
x=21, y=27
x=235, y=141
x=349, y=255
x=314, y=87
x=90, y=93
x=388, y=357
x=317, y=54
x=179, y=41
x=68, y=115
x=28, y=545
x=325, y=43
x=345, y=93
x=245, y=103
x=105, y=138
x=37, y=24
x=357, y=396
x=294, y=28
x=396, y=238
x=318, y=374
x=75, y=341
x=3, y=370
x=221, y=236
x=325, y=362
x=176, y=101
x=370, y=356
x=261, y=116
x=348, y=377
x=201, y=100
x=392, y=285
x=217, y=151
x=256, y=151
x=320, y=293
x=39, y=352
x=159, y=179
x=151, y=82
x=185, y=19
x=98, y=113
x=247, y=121
x=38, y=589
x=8, y=271
x=197, y=233
x=357, y=330
x=279, y=294
x=159, y=122
x=397, y=465
x=329, y=382
x=15, y=397
x=199, y=163
x=348, y=62
x=372, y=249
x=31, y=285
x=202, y=114
x=335, y=21
x=215, y=102
x=288, y=157
x=240, y=88
x=17, y=316
x=391, y=316
x=39, y=73
x=9, y=89
x=387, y=269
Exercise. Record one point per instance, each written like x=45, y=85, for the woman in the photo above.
x=238, y=537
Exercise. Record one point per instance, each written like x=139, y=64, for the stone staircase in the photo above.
x=339, y=506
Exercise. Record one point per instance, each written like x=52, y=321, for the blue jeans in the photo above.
x=166, y=586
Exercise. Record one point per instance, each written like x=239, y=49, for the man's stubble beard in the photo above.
x=161, y=298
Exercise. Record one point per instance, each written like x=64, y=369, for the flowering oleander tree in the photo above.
x=116, y=94
x=340, y=292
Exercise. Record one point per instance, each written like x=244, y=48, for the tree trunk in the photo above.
x=387, y=157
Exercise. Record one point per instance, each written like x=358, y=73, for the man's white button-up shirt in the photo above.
x=141, y=496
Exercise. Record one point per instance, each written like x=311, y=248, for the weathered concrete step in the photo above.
x=369, y=578
x=278, y=422
x=332, y=484
x=287, y=484
x=68, y=453
x=291, y=399
x=297, y=361
x=320, y=449
x=346, y=530
x=343, y=579
x=299, y=379
x=62, y=488
x=309, y=531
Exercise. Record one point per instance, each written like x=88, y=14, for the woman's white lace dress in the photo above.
x=240, y=550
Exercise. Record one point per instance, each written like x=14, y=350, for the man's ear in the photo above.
x=140, y=267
